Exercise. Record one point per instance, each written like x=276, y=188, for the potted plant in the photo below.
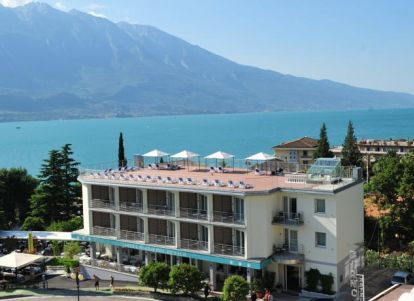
x=67, y=270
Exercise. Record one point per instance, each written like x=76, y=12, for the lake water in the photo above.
x=96, y=140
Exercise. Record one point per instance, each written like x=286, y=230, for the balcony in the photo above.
x=197, y=245
x=288, y=218
x=229, y=250
x=228, y=217
x=193, y=213
x=130, y=207
x=160, y=210
x=288, y=254
x=161, y=240
x=131, y=235
x=103, y=231
x=102, y=204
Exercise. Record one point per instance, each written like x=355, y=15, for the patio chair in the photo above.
x=148, y=178
x=159, y=179
x=181, y=181
x=204, y=182
x=190, y=181
x=230, y=184
x=168, y=180
x=217, y=183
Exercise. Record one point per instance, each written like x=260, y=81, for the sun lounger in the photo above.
x=181, y=181
x=259, y=172
x=218, y=183
x=190, y=181
x=204, y=182
x=212, y=169
x=231, y=184
x=244, y=185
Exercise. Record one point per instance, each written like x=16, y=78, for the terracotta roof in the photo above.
x=304, y=142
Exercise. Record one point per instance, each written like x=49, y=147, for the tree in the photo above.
x=323, y=148
x=351, y=156
x=33, y=223
x=155, y=275
x=122, y=161
x=16, y=187
x=73, y=224
x=185, y=278
x=235, y=288
x=71, y=248
x=58, y=195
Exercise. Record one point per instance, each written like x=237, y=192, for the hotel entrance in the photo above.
x=293, y=278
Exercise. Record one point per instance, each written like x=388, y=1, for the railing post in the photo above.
x=210, y=239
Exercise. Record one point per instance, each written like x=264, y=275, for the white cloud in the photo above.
x=94, y=7
x=61, y=6
x=14, y=3
x=95, y=14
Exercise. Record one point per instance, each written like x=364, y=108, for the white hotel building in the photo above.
x=286, y=223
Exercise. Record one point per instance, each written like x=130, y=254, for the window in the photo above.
x=320, y=239
x=320, y=206
x=305, y=153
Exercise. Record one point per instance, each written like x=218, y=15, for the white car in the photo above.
x=401, y=278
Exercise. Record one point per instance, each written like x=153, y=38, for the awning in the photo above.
x=219, y=155
x=261, y=157
x=155, y=154
x=185, y=154
x=19, y=260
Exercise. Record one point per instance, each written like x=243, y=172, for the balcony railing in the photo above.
x=161, y=240
x=104, y=264
x=193, y=213
x=194, y=244
x=228, y=217
x=292, y=253
x=130, y=207
x=161, y=210
x=103, y=231
x=106, y=204
x=288, y=218
x=230, y=250
x=131, y=235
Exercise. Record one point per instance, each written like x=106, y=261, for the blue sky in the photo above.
x=366, y=43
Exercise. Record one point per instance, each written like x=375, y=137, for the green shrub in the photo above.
x=62, y=261
x=312, y=279
x=235, y=289
x=71, y=248
x=73, y=224
x=185, y=278
x=33, y=224
x=155, y=275
x=326, y=283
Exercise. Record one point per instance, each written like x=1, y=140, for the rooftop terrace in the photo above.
x=250, y=180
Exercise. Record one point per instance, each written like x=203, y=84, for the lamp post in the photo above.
x=77, y=280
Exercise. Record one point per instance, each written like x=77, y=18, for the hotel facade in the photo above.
x=227, y=222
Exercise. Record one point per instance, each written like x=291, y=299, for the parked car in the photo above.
x=401, y=277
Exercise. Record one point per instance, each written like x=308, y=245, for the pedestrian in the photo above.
x=268, y=296
x=111, y=282
x=207, y=290
x=253, y=295
x=96, y=278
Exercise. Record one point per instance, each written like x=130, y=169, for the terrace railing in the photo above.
x=161, y=210
x=161, y=239
x=228, y=217
x=114, y=266
x=131, y=235
x=103, y=204
x=130, y=207
x=288, y=218
x=193, y=213
x=194, y=244
x=229, y=250
x=103, y=231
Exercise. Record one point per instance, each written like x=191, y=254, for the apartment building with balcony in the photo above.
x=231, y=222
x=297, y=151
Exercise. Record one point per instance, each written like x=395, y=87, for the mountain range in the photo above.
x=56, y=64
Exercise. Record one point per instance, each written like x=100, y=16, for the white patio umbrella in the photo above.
x=220, y=156
x=185, y=154
x=260, y=157
x=156, y=153
x=19, y=260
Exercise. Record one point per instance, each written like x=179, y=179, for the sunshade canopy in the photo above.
x=219, y=155
x=185, y=154
x=19, y=260
x=156, y=153
x=261, y=157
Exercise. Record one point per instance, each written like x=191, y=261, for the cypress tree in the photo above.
x=351, y=156
x=121, y=152
x=323, y=148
